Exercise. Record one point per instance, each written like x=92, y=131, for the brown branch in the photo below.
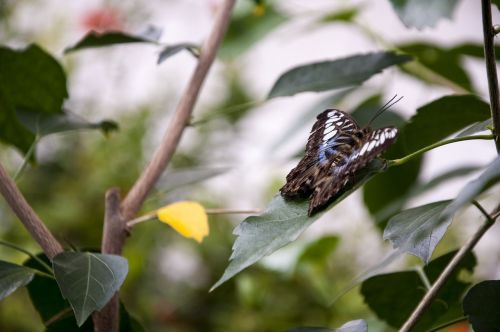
x=113, y=237
x=31, y=221
x=491, y=69
x=447, y=272
x=134, y=199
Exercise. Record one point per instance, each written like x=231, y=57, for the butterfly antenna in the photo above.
x=386, y=106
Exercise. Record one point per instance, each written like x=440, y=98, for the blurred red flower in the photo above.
x=102, y=19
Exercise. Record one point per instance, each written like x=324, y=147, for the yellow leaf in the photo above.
x=187, y=218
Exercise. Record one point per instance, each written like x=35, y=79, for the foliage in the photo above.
x=67, y=187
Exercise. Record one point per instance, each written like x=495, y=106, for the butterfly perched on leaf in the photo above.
x=337, y=147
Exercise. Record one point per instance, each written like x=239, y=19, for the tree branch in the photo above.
x=447, y=272
x=134, y=199
x=491, y=69
x=113, y=237
x=28, y=216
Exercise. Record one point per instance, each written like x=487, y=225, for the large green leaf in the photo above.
x=423, y=13
x=97, y=39
x=46, y=124
x=12, y=277
x=476, y=128
x=394, y=296
x=421, y=187
x=418, y=230
x=282, y=222
x=471, y=190
x=441, y=61
x=30, y=80
x=47, y=299
x=336, y=74
x=352, y=326
x=441, y=118
x=56, y=312
x=247, y=28
x=482, y=306
x=88, y=280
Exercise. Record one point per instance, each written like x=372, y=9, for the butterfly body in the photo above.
x=337, y=147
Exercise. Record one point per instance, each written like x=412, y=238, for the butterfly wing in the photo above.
x=367, y=148
x=330, y=133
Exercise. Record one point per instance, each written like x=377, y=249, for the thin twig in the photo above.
x=445, y=275
x=152, y=215
x=436, y=145
x=491, y=69
x=231, y=211
x=26, y=252
x=180, y=120
x=28, y=216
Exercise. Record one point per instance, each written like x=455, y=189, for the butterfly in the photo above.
x=337, y=147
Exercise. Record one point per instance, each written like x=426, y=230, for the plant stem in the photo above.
x=152, y=215
x=31, y=221
x=180, y=120
x=26, y=159
x=41, y=262
x=447, y=272
x=491, y=70
x=407, y=158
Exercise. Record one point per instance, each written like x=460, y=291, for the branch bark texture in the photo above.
x=491, y=69
x=113, y=238
x=134, y=199
x=31, y=221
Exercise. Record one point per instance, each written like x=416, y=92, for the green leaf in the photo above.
x=46, y=296
x=487, y=179
x=109, y=38
x=482, y=305
x=12, y=277
x=423, y=13
x=474, y=50
x=88, y=280
x=394, y=296
x=247, y=28
x=442, y=61
x=31, y=80
x=328, y=75
x=46, y=124
x=282, y=222
x=418, y=188
x=441, y=118
x=352, y=326
x=171, y=50
x=496, y=3
x=476, y=128
x=418, y=230
x=342, y=15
